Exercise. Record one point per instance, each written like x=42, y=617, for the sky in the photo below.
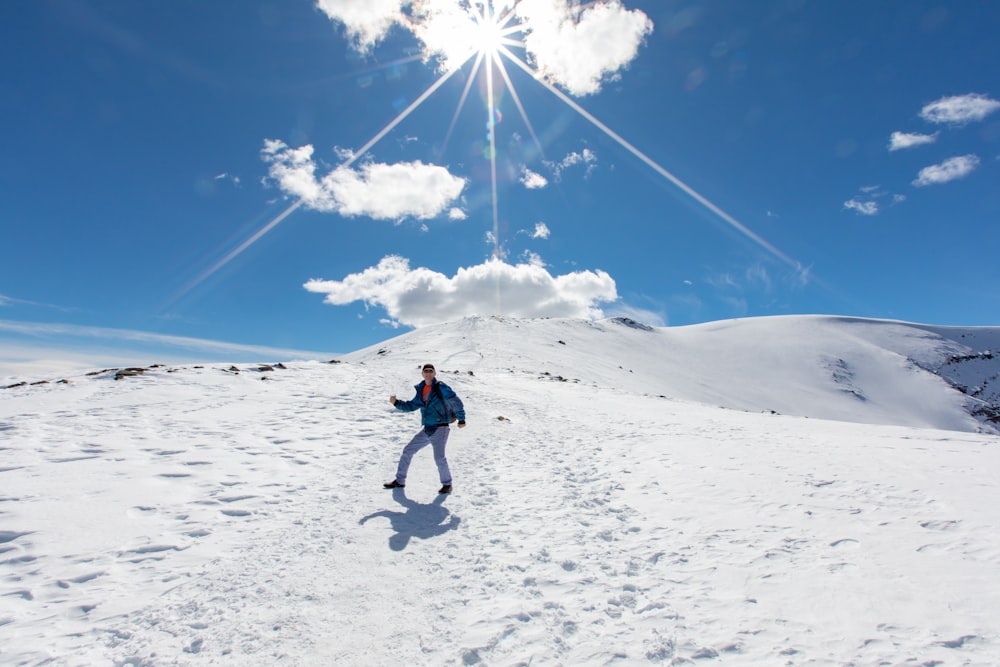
x=195, y=517
x=250, y=179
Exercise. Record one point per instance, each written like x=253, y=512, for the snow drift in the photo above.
x=605, y=510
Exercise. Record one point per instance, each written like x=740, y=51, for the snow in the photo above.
x=607, y=510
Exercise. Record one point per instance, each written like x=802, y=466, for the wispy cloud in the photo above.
x=380, y=191
x=901, y=140
x=541, y=231
x=419, y=297
x=576, y=46
x=106, y=335
x=585, y=157
x=10, y=301
x=959, y=109
x=31, y=348
x=235, y=180
x=871, y=200
x=862, y=207
x=950, y=170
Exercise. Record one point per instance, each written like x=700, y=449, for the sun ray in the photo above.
x=517, y=99
x=684, y=187
x=463, y=99
x=491, y=124
x=401, y=117
x=274, y=222
x=235, y=252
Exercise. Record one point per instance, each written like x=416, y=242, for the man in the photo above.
x=437, y=403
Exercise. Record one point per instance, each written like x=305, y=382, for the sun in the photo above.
x=456, y=33
x=488, y=33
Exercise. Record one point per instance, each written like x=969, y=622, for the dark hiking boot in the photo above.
x=393, y=485
x=445, y=489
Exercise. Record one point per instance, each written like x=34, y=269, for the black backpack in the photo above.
x=451, y=413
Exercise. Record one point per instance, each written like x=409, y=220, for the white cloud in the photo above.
x=959, y=109
x=541, y=231
x=871, y=200
x=446, y=29
x=586, y=156
x=380, y=191
x=901, y=140
x=573, y=46
x=235, y=180
x=577, y=47
x=533, y=258
x=366, y=21
x=949, y=170
x=862, y=207
x=419, y=297
x=533, y=181
x=457, y=214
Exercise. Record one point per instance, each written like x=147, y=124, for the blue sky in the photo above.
x=249, y=179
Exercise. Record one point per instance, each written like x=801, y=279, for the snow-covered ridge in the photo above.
x=843, y=368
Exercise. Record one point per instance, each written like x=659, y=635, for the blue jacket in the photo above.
x=435, y=411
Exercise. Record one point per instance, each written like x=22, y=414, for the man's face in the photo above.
x=428, y=374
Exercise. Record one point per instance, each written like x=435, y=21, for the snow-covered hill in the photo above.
x=605, y=511
x=870, y=371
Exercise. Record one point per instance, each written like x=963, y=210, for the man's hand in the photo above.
x=392, y=399
x=461, y=423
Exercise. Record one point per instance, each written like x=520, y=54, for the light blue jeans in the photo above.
x=437, y=436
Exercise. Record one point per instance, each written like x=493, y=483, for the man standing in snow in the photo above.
x=438, y=406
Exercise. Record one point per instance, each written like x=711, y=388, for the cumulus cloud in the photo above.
x=446, y=30
x=949, y=170
x=366, y=21
x=420, y=297
x=573, y=46
x=959, y=109
x=533, y=181
x=380, y=191
x=901, y=140
x=579, y=48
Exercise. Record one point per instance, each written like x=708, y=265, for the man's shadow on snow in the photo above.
x=419, y=520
